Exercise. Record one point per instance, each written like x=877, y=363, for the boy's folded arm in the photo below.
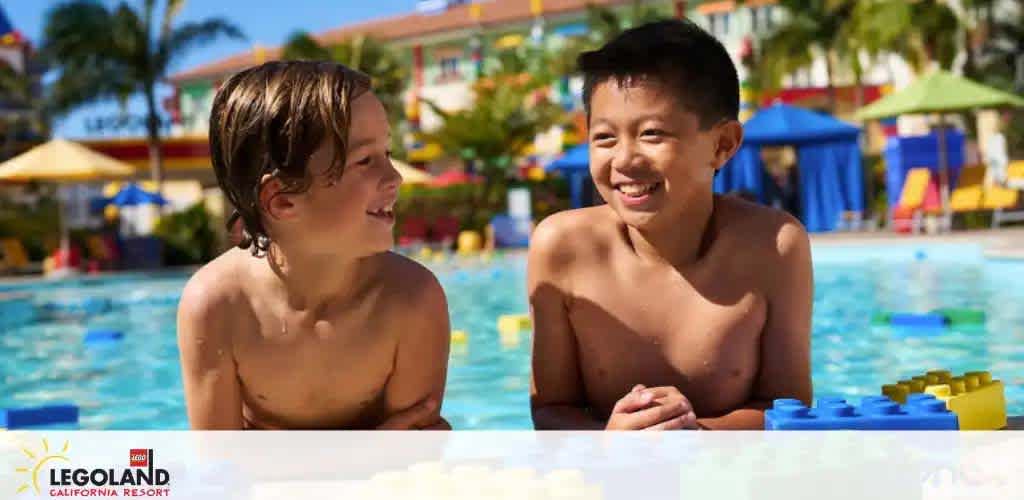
x=556, y=391
x=421, y=360
x=785, y=364
x=213, y=393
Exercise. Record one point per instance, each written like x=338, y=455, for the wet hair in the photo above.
x=267, y=121
x=676, y=53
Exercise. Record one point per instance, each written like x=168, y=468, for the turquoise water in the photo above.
x=135, y=383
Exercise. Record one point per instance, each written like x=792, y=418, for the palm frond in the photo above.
x=191, y=35
x=302, y=46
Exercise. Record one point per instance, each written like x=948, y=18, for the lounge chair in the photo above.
x=1005, y=204
x=906, y=216
x=1015, y=175
x=14, y=259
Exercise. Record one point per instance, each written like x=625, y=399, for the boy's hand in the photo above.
x=658, y=408
x=418, y=416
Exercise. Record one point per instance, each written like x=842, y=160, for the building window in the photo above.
x=718, y=24
x=766, y=17
x=450, y=68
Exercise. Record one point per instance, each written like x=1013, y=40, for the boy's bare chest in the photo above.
x=699, y=335
x=325, y=373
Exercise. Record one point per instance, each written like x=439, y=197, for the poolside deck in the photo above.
x=1005, y=243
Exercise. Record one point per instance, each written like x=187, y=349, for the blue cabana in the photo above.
x=828, y=159
x=574, y=165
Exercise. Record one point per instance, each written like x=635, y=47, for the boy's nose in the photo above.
x=626, y=157
x=392, y=179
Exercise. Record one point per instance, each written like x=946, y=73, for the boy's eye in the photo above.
x=603, y=136
x=364, y=161
x=652, y=132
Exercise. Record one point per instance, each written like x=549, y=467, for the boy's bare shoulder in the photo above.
x=765, y=230
x=573, y=234
x=406, y=279
x=215, y=291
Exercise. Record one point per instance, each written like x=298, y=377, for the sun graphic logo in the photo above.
x=40, y=459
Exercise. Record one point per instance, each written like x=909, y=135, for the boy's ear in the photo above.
x=274, y=200
x=730, y=136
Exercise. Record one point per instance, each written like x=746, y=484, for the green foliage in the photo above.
x=188, y=236
x=38, y=226
x=604, y=24
x=921, y=32
x=106, y=51
x=384, y=64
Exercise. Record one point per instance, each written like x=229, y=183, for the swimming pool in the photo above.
x=135, y=383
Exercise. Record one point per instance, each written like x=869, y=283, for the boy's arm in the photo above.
x=421, y=362
x=556, y=391
x=785, y=365
x=213, y=394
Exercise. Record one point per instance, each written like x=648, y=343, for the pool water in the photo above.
x=135, y=383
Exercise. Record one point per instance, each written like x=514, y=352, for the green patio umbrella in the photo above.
x=940, y=92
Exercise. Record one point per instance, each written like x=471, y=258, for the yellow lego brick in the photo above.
x=459, y=337
x=978, y=401
x=513, y=323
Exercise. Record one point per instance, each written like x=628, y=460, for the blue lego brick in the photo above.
x=21, y=418
x=929, y=320
x=922, y=412
x=102, y=336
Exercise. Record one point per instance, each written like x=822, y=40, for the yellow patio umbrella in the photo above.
x=62, y=161
x=410, y=174
x=65, y=162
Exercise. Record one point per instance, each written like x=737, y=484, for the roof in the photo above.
x=784, y=124
x=400, y=27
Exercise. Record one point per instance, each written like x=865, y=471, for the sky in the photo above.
x=265, y=22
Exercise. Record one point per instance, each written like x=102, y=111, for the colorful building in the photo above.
x=441, y=42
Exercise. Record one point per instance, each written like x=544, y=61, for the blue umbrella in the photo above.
x=131, y=194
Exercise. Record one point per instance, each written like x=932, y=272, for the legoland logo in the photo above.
x=140, y=479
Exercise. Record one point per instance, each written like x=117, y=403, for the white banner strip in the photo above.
x=511, y=465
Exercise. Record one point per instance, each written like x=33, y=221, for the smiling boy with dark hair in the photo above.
x=669, y=307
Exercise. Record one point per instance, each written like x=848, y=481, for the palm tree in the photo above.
x=117, y=52
x=811, y=27
x=27, y=111
x=1001, y=55
x=385, y=66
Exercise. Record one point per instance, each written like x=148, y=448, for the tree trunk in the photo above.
x=831, y=85
x=156, y=156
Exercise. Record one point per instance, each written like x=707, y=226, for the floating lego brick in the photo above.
x=873, y=413
x=102, y=336
x=962, y=316
x=929, y=320
x=21, y=418
x=978, y=401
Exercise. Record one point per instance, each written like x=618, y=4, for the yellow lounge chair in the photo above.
x=970, y=190
x=13, y=257
x=1005, y=205
x=912, y=196
x=1015, y=175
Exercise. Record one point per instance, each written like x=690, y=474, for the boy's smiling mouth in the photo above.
x=385, y=213
x=635, y=194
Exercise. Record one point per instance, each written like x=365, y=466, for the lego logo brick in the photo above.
x=138, y=458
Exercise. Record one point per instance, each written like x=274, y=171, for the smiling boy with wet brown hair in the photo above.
x=312, y=323
x=668, y=307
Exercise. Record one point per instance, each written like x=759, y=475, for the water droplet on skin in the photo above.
x=220, y=352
